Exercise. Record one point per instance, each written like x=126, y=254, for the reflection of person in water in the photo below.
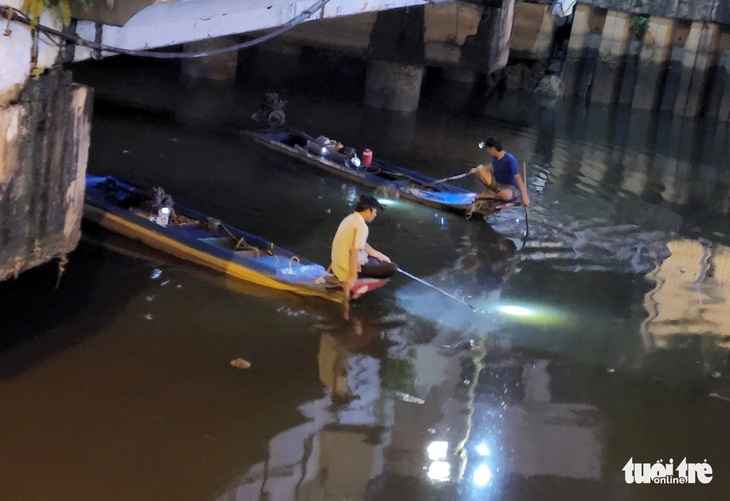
x=333, y=367
x=489, y=256
x=342, y=347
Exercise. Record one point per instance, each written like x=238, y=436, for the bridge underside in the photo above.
x=144, y=24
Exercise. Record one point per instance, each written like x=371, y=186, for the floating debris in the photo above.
x=721, y=397
x=409, y=398
x=148, y=316
x=156, y=274
x=240, y=363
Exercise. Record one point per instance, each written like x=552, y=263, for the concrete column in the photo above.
x=719, y=99
x=44, y=141
x=611, y=57
x=207, y=83
x=532, y=31
x=584, y=39
x=699, y=53
x=653, y=58
x=278, y=60
x=393, y=86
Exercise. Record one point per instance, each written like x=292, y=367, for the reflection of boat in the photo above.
x=381, y=175
x=124, y=209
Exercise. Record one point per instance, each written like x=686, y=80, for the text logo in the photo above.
x=665, y=473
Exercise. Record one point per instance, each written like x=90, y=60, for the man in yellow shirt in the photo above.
x=352, y=256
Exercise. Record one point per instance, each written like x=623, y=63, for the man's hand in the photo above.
x=526, y=201
x=382, y=257
x=474, y=169
x=350, y=282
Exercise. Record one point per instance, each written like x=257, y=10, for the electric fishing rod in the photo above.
x=435, y=288
x=458, y=176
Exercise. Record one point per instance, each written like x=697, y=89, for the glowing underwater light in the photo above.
x=386, y=202
x=439, y=470
x=482, y=475
x=437, y=449
x=483, y=449
x=517, y=311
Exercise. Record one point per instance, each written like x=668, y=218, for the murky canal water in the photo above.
x=603, y=338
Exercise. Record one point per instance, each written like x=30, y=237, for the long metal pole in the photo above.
x=435, y=288
x=459, y=176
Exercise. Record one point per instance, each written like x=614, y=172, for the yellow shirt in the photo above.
x=351, y=234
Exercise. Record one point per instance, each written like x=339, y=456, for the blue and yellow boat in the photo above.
x=386, y=177
x=153, y=218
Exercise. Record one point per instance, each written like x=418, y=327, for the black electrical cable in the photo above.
x=11, y=13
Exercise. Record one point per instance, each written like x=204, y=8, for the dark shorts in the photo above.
x=375, y=268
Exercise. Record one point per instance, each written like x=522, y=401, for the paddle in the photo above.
x=435, y=288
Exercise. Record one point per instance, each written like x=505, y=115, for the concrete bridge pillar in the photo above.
x=719, y=99
x=652, y=59
x=44, y=143
x=585, y=38
x=532, y=31
x=207, y=83
x=700, y=51
x=396, y=64
x=393, y=86
x=611, y=57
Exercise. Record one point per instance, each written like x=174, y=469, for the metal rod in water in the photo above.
x=435, y=288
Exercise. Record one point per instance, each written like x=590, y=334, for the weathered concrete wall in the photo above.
x=44, y=141
x=672, y=65
x=715, y=11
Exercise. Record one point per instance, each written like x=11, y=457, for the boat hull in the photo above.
x=271, y=267
x=380, y=175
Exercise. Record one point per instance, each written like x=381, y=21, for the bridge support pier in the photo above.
x=44, y=144
x=585, y=39
x=652, y=59
x=719, y=99
x=611, y=58
x=699, y=55
x=393, y=86
x=207, y=84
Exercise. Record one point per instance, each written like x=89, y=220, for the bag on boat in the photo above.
x=313, y=271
